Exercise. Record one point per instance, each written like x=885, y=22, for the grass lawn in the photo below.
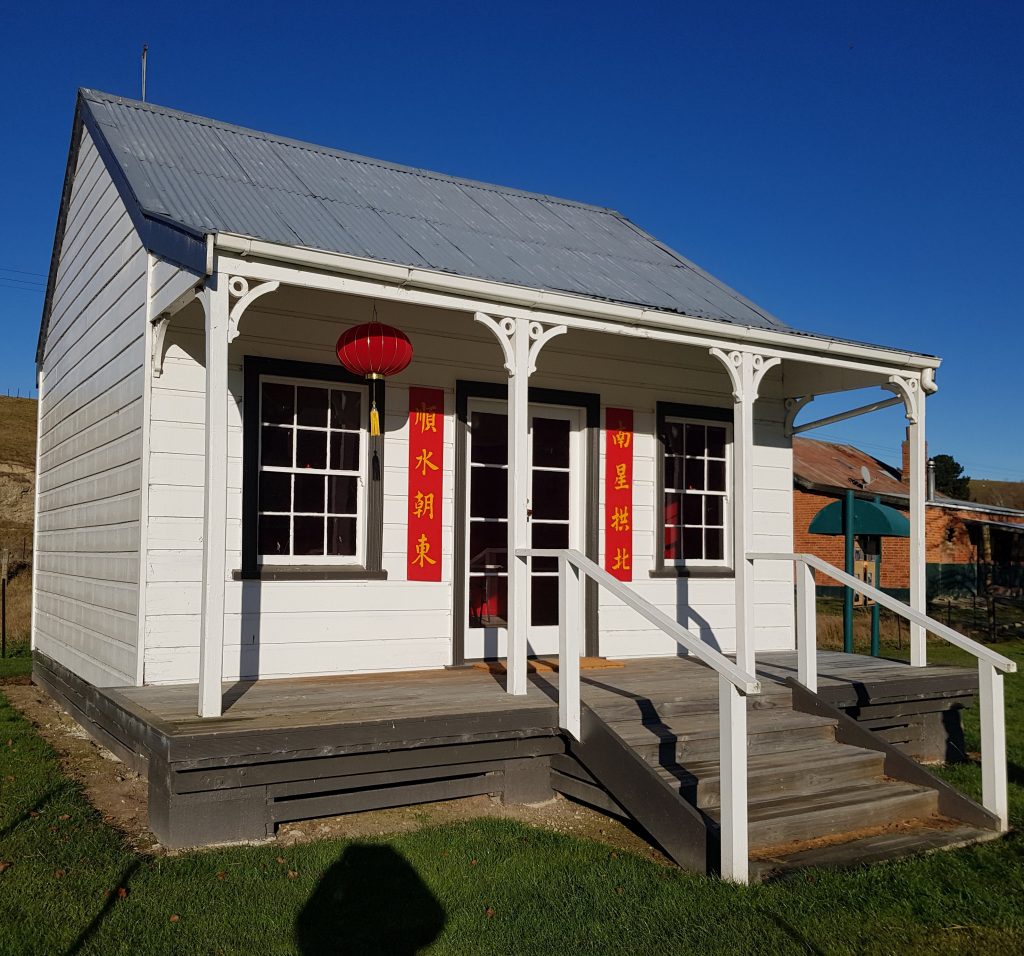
x=69, y=884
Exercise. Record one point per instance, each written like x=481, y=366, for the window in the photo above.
x=312, y=489
x=312, y=457
x=695, y=487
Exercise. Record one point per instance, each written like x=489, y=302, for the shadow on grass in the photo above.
x=37, y=807
x=370, y=901
x=108, y=905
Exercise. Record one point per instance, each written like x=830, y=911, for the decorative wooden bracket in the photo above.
x=746, y=370
x=793, y=407
x=238, y=288
x=505, y=331
x=909, y=389
x=160, y=323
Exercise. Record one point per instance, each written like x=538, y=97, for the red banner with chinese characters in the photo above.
x=618, y=493
x=426, y=470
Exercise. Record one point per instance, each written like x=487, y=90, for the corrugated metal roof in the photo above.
x=826, y=464
x=206, y=177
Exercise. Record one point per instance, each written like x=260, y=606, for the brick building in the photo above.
x=961, y=536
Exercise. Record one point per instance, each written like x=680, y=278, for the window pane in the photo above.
x=716, y=476
x=275, y=491
x=551, y=442
x=489, y=494
x=673, y=509
x=693, y=543
x=309, y=535
x=346, y=409
x=714, y=509
x=341, y=536
x=550, y=496
x=278, y=403
x=695, y=444
x=673, y=438
x=310, y=449
x=273, y=535
x=309, y=493
x=714, y=544
x=716, y=441
x=672, y=543
x=488, y=600
x=489, y=438
x=312, y=406
x=695, y=473
x=276, y=446
x=692, y=510
x=345, y=451
x=674, y=473
x=544, y=601
x=342, y=495
x=488, y=546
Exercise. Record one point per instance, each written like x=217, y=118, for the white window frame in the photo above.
x=725, y=562
x=332, y=560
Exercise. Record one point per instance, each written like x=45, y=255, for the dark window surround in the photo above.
x=666, y=410
x=255, y=366
x=591, y=403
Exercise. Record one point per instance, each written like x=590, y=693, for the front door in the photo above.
x=555, y=521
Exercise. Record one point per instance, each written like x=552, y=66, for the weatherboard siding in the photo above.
x=90, y=438
x=292, y=628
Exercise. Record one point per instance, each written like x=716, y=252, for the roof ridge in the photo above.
x=98, y=96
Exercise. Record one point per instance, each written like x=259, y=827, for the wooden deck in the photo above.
x=300, y=748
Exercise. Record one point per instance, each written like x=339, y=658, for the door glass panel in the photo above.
x=489, y=494
x=548, y=535
x=488, y=546
x=550, y=443
x=550, y=497
x=488, y=600
x=490, y=438
x=544, y=600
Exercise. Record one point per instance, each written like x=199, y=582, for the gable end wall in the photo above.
x=90, y=437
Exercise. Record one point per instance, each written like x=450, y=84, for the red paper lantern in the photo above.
x=375, y=351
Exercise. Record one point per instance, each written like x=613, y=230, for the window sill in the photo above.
x=680, y=572
x=308, y=572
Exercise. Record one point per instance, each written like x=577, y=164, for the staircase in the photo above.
x=811, y=799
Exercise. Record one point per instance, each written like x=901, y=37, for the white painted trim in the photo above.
x=518, y=503
x=41, y=380
x=313, y=269
x=732, y=736
x=843, y=416
x=992, y=708
x=918, y=530
x=148, y=373
x=211, y=649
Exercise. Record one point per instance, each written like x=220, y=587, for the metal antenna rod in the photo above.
x=145, y=50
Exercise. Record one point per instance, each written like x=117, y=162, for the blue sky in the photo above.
x=854, y=167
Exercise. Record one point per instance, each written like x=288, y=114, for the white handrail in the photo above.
x=744, y=682
x=937, y=628
x=990, y=681
x=734, y=684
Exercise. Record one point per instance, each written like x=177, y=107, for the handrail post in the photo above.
x=993, y=742
x=568, y=647
x=732, y=716
x=806, y=626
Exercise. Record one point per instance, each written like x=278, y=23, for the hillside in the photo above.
x=1004, y=494
x=17, y=469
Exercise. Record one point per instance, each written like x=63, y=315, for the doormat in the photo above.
x=549, y=665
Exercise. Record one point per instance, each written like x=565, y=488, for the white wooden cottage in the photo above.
x=212, y=506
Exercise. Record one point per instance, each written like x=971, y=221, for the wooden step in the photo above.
x=654, y=709
x=775, y=774
x=886, y=843
x=809, y=814
x=690, y=738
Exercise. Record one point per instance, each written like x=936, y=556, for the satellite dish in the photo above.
x=865, y=474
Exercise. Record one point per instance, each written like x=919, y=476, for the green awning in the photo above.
x=868, y=518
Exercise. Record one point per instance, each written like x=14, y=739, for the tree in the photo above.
x=950, y=478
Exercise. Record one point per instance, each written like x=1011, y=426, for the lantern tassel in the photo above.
x=374, y=420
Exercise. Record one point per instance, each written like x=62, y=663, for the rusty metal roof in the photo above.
x=821, y=464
